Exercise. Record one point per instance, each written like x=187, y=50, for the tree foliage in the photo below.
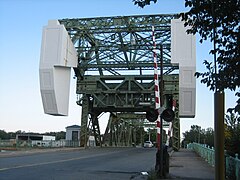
x=4, y=135
x=208, y=137
x=196, y=134
x=142, y=3
x=140, y=135
x=217, y=21
x=232, y=132
x=59, y=135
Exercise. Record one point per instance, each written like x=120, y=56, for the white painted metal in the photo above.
x=183, y=53
x=58, y=55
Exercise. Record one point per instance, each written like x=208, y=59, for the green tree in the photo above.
x=217, y=21
x=60, y=135
x=232, y=120
x=140, y=134
x=208, y=137
x=143, y=3
x=12, y=135
x=232, y=132
x=194, y=135
x=202, y=136
x=3, y=135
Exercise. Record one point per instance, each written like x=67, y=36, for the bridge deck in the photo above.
x=186, y=164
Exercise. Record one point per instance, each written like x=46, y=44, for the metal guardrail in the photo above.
x=232, y=164
x=19, y=144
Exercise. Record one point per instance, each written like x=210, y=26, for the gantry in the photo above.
x=115, y=69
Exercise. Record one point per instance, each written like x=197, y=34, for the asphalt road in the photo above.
x=81, y=164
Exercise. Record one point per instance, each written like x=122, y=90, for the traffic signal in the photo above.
x=152, y=115
x=168, y=115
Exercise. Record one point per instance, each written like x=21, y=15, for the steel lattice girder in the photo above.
x=124, y=93
x=120, y=49
x=113, y=44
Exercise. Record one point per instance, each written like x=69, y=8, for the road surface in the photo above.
x=80, y=164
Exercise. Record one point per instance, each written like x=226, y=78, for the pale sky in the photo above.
x=20, y=42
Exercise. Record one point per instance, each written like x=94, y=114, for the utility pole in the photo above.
x=219, y=135
x=218, y=114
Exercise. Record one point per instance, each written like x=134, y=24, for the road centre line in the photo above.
x=52, y=162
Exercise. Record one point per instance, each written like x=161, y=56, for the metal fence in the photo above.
x=232, y=164
x=7, y=144
x=22, y=144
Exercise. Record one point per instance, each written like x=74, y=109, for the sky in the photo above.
x=20, y=42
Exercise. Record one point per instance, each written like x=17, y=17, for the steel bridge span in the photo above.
x=115, y=73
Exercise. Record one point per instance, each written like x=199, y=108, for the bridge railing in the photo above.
x=232, y=164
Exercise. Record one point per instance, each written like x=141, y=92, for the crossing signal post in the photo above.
x=167, y=114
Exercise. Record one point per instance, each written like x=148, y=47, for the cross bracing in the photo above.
x=112, y=44
x=115, y=67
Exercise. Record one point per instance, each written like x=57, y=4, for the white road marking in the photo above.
x=51, y=162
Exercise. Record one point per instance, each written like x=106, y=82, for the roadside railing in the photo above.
x=232, y=164
x=7, y=144
x=23, y=144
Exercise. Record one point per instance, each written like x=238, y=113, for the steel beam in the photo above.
x=84, y=122
x=115, y=68
x=121, y=42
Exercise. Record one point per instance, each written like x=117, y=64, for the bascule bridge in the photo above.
x=112, y=58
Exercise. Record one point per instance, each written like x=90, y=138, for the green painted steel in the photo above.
x=175, y=140
x=232, y=164
x=124, y=93
x=232, y=167
x=121, y=132
x=115, y=69
x=84, y=121
x=112, y=44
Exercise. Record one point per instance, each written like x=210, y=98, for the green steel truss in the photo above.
x=122, y=128
x=115, y=69
x=111, y=44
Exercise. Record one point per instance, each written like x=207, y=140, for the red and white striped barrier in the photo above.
x=157, y=96
x=170, y=129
